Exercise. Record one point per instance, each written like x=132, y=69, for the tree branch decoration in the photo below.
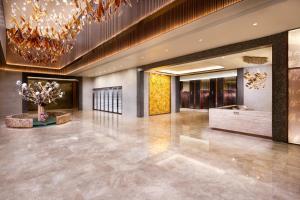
x=255, y=80
x=40, y=94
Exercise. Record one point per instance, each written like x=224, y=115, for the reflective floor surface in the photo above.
x=167, y=157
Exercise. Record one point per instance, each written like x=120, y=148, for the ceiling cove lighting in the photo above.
x=224, y=74
x=210, y=68
x=52, y=79
x=41, y=31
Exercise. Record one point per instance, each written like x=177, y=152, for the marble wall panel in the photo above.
x=294, y=106
x=294, y=86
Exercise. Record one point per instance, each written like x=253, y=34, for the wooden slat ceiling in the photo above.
x=145, y=20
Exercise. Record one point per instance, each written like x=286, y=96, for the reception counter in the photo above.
x=242, y=120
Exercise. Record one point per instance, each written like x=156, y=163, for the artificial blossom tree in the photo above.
x=40, y=94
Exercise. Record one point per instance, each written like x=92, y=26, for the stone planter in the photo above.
x=27, y=120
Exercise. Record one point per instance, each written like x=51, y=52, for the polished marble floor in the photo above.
x=167, y=157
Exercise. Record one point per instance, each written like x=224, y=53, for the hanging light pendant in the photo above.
x=47, y=33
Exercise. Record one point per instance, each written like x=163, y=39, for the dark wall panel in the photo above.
x=73, y=89
x=68, y=101
x=240, y=86
x=280, y=88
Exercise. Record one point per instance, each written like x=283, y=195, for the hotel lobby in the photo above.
x=162, y=99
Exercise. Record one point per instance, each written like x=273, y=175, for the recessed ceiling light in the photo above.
x=223, y=57
x=142, y=57
x=166, y=50
x=200, y=40
x=192, y=70
x=255, y=24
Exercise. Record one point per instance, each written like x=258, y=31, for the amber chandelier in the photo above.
x=43, y=30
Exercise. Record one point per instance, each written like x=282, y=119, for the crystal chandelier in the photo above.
x=43, y=30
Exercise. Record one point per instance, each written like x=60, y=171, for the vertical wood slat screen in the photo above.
x=170, y=17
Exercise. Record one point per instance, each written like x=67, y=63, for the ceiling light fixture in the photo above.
x=210, y=68
x=255, y=24
x=43, y=30
x=207, y=76
x=255, y=60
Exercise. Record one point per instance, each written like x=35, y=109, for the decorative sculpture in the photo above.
x=255, y=80
x=40, y=94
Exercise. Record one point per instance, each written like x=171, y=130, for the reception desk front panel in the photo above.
x=242, y=121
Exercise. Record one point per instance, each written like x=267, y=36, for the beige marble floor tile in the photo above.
x=105, y=156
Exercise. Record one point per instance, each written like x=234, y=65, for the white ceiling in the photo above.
x=228, y=26
x=232, y=61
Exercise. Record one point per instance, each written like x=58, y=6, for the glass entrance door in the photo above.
x=108, y=99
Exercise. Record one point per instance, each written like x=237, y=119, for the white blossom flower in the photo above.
x=24, y=85
x=40, y=93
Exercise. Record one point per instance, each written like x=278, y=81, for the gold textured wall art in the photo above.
x=159, y=94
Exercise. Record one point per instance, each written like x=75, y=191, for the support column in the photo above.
x=140, y=93
x=240, y=86
x=280, y=87
x=177, y=93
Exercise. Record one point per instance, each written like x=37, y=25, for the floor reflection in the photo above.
x=106, y=156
